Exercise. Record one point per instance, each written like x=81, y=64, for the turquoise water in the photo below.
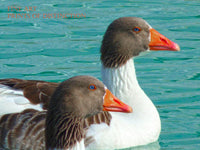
x=55, y=49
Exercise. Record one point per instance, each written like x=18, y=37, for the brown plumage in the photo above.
x=120, y=43
x=73, y=108
x=37, y=92
x=17, y=130
x=12, y=127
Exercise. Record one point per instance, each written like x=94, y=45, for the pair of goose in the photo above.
x=74, y=118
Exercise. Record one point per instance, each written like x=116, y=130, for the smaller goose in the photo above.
x=73, y=102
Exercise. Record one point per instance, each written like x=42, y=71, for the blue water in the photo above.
x=56, y=49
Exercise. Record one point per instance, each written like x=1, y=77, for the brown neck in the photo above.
x=113, y=60
x=63, y=130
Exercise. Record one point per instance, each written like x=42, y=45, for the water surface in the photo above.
x=56, y=49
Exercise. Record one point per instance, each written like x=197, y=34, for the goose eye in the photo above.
x=136, y=29
x=92, y=87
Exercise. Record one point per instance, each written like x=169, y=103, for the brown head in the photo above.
x=85, y=96
x=74, y=100
x=127, y=37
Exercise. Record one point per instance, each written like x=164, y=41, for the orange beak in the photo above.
x=112, y=103
x=160, y=42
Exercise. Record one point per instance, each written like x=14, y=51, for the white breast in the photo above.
x=126, y=130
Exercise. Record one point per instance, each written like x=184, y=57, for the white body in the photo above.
x=79, y=146
x=13, y=101
x=140, y=127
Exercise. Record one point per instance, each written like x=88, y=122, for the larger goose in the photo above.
x=124, y=39
x=72, y=103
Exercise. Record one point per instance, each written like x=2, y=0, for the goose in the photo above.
x=63, y=125
x=124, y=39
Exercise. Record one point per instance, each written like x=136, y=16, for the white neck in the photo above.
x=121, y=81
x=144, y=122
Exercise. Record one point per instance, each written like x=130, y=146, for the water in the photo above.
x=56, y=49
